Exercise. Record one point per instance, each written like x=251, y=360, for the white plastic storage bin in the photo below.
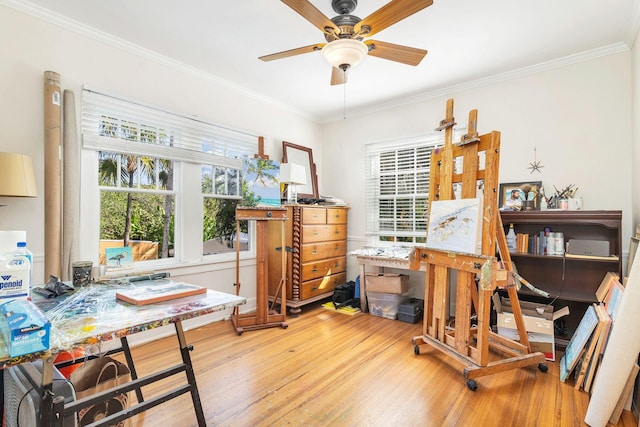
x=385, y=305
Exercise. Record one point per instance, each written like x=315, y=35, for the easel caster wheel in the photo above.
x=542, y=367
x=284, y=326
x=472, y=385
x=239, y=331
x=416, y=350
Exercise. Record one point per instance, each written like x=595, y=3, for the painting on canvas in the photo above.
x=261, y=181
x=121, y=257
x=456, y=225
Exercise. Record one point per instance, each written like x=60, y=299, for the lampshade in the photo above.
x=342, y=52
x=16, y=176
x=291, y=173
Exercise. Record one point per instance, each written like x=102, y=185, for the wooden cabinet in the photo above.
x=316, y=237
x=570, y=280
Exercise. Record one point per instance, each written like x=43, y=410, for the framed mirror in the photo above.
x=292, y=153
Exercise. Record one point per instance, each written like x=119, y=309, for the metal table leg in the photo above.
x=191, y=377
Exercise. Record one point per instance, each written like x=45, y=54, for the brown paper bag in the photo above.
x=97, y=375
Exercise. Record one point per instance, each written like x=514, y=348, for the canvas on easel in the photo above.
x=456, y=225
x=479, y=274
x=261, y=181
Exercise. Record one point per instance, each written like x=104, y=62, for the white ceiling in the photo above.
x=467, y=40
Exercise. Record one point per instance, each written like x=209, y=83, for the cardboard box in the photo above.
x=25, y=329
x=388, y=283
x=538, y=321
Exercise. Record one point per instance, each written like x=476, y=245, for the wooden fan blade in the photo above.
x=293, y=52
x=312, y=14
x=395, y=52
x=338, y=77
x=389, y=14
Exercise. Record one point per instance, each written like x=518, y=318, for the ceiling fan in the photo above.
x=345, y=34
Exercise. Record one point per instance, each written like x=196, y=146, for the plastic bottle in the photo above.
x=551, y=243
x=14, y=276
x=559, y=249
x=21, y=250
x=511, y=238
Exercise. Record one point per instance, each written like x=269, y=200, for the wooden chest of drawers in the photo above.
x=317, y=237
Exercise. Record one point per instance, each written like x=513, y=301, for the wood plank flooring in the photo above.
x=332, y=369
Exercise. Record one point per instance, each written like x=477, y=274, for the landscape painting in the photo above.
x=456, y=225
x=261, y=182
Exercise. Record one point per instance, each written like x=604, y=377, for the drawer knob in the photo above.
x=315, y=270
x=314, y=252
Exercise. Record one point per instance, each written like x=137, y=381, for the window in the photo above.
x=167, y=183
x=397, y=189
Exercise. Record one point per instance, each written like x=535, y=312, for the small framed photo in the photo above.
x=518, y=196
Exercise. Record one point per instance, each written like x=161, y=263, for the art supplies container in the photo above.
x=81, y=273
x=25, y=329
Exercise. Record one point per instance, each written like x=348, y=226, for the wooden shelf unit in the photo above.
x=570, y=280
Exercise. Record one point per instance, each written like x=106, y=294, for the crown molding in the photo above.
x=118, y=43
x=485, y=81
x=634, y=26
x=108, y=39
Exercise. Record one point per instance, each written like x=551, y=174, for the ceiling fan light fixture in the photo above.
x=344, y=53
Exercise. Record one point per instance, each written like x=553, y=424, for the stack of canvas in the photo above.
x=587, y=346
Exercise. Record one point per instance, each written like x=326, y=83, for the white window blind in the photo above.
x=397, y=189
x=115, y=124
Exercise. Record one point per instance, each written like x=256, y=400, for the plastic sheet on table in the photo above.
x=92, y=314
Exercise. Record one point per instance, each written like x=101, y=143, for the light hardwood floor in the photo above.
x=332, y=369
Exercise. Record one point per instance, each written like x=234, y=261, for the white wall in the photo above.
x=635, y=149
x=578, y=117
x=31, y=46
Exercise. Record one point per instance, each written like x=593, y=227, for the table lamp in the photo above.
x=16, y=180
x=292, y=175
x=16, y=176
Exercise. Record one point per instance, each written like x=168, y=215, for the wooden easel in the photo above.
x=467, y=344
x=265, y=316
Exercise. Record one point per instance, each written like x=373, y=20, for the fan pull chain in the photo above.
x=344, y=94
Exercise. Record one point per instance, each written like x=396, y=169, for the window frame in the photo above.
x=187, y=186
x=374, y=187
